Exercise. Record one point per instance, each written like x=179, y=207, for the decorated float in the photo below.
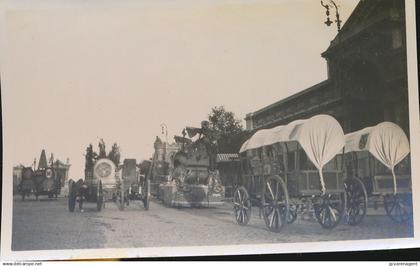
x=193, y=179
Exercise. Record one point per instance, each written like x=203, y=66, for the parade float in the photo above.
x=193, y=179
x=108, y=180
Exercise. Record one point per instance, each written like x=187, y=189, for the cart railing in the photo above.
x=384, y=184
x=306, y=182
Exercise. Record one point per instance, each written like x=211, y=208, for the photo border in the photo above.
x=299, y=247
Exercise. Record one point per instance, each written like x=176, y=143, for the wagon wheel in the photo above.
x=242, y=206
x=329, y=209
x=398, y=207
x=99, y=197
x=146, y=195
x=293, y=208
x=275, y=203
x=72, y=195
x=357, y=200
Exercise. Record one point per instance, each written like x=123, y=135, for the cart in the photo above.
x=100, y=182
x=132, y=185
x=292, y=169
x=98, y=186
x=378, y=169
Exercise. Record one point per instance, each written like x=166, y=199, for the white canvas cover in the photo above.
x=320, y=136
x=386, y=141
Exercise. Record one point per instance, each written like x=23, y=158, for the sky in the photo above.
x=73, y=72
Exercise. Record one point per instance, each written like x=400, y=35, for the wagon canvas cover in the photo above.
x=386, y=141
x=320, y=136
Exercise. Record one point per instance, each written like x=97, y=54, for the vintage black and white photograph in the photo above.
x=197, y=124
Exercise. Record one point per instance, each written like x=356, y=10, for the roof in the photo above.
x=364, y=15
x=289, y=98
x=226, y=157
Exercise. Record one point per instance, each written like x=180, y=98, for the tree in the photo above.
x=229, y=128
x=224, y=121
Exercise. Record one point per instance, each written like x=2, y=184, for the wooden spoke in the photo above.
x=356, y=200
x=398, y=207
x=330, y=209
x=242, y=206
x=271, y=191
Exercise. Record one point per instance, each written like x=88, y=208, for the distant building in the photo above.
x=163, y=162
x=165, y=151
x=367, y=74
x=62, y=170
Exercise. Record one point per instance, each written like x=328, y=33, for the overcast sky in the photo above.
x=76, y=71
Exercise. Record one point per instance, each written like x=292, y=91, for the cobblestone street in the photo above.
x=47, y=224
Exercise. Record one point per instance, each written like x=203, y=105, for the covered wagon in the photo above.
x=290, y=167
x=378, y=167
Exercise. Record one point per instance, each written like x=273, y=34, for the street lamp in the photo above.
x=327, y=6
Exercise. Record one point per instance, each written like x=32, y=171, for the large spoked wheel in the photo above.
x=357, y=200
x=399, y=207
x=275, y=204
x=99, y=197
x=242, y=206
x=146, y=195
x=72, y=196
x=329, y=209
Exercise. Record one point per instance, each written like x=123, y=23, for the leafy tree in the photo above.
x=229, y=128
x=224, y=121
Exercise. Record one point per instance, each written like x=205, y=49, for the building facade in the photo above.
x=367, y=74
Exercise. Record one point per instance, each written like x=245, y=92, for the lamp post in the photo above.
x=327, y=6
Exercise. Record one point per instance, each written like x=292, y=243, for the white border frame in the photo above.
x=324, y=246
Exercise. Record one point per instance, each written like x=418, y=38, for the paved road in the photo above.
x=47, y=224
